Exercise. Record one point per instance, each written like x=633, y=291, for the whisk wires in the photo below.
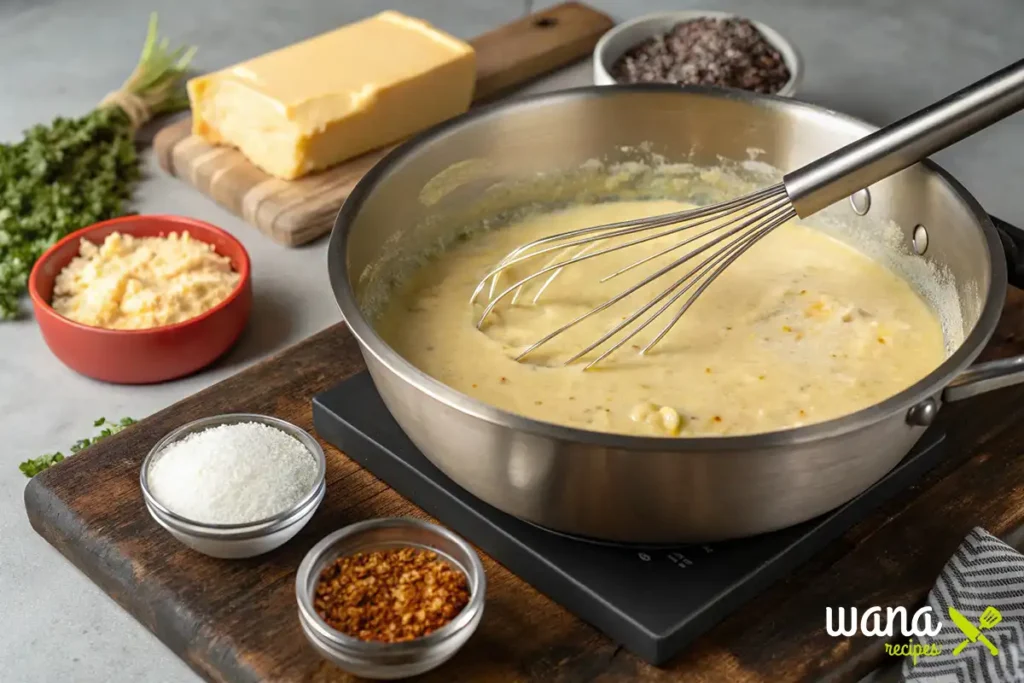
x=731, y=228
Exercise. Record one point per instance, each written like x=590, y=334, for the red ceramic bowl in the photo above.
x=141, y=356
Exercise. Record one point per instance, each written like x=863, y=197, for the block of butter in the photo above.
x=317, y=103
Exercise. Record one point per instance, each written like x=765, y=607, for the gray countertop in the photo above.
x=877, y=59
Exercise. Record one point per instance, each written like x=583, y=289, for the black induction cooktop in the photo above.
x=651, y=600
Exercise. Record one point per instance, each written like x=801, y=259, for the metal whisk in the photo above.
x=731, y=228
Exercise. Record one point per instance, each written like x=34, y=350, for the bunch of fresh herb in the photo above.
x=31, y=468
x=74, y=172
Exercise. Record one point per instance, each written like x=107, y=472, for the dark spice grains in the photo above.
x=391, y=595
x=728, y=53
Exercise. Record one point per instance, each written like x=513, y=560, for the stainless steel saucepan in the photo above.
x=640, y=489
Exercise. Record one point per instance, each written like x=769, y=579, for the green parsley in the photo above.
x=34, y=466
x=78, y=171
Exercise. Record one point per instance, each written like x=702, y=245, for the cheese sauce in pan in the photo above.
x=800, y=329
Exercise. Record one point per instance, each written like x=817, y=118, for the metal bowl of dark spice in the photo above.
x=390, y=598
x=698, y=48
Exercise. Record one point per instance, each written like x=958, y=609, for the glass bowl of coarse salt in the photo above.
x=234, y=486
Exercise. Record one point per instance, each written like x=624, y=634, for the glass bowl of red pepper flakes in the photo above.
x=390, y=598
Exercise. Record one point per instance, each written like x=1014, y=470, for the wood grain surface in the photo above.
x=236, y=620
x=298, y=211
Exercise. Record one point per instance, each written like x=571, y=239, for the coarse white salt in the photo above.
x=232, y=474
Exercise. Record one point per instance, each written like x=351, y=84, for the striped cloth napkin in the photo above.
x=984, y=582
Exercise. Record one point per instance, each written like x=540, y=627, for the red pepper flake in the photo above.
x=717, y=418
x=503, y=380
x=391, y=595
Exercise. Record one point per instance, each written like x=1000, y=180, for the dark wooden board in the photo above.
x=236, y=620
x=294, y=212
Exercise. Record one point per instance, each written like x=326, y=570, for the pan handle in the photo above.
x=996, y=374
x=985, y=377
x=1012, y=238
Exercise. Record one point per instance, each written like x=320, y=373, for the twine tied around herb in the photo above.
x=154, y=86
x=132, y=105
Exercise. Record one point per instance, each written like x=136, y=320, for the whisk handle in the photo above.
x=895, y=147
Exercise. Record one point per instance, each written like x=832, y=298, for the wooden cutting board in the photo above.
x=298, y=211
x=236, y=620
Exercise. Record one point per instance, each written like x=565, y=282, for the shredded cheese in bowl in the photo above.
x=134, y=283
